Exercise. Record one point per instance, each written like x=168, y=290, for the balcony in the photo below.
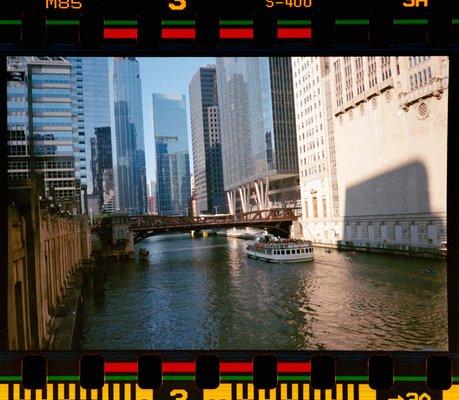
x=433, y=88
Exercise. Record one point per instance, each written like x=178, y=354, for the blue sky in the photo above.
x=165, y=75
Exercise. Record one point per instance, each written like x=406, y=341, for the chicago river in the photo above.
x=204, y=293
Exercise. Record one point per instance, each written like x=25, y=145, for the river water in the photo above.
x=204, y=293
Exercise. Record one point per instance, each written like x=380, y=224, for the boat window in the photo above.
x=283, y=252
x=298, y=251
x=287, y=251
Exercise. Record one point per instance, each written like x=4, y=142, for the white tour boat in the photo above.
x=271, y=249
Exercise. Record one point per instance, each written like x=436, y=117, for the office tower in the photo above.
x=102, y=169
x=45, y=87
x=172, y=157
x=206, y=141
x=129, y=165
x=384, y=152
x=96, y=104
x=258, y=135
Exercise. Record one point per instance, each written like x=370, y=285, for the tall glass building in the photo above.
x=96, y=104
x=172, y=156
x=206, y=141
x=258, y=133
x=129, y=166
x=41, y=99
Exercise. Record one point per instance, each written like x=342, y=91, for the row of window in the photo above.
x=417, y=60
x=420, y=79
x=292, y=251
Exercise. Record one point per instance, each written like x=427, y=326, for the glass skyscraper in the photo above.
x=41, y=97
x=172, y=156
x=206, y=140
x=257, y=122
x=96, y=103
x=130, y=148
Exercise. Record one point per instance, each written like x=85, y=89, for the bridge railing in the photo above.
x=156, y=221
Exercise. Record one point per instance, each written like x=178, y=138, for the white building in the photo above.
x=382, y=176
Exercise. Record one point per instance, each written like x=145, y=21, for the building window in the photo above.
x=324, y=207
x=432, y=235
x=371, y=233
x=348, y=232
x=314, y=206
x=398, y=233
x=306, y=211
x=414, y=234
x=372, y=78
x=359, y=232
x=383, y=233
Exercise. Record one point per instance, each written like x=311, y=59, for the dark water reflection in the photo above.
x=205, y=294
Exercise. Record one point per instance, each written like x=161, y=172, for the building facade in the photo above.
x=258, y=133
x=130, y=169
x=96, y=104
x=102, y=169
x=41, y=99
x=172, y=155
x=206, y=141
x=387, y=147
x=152, y=208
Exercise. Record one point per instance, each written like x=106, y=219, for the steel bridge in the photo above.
x=276, y=221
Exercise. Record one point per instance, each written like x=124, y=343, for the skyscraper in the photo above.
x=206, y=141
x=172, y=156
x=96, y=104
x=257, y=122
x=102, y=168
x=44, y=87
x=80, y=154
x=130, y=167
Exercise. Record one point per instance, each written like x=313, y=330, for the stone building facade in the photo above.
x=44, y=252
x=387, y=145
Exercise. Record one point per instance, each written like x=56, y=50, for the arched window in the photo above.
x=371, y=233
x=432, y=234
x=348, y=232
x=398, y=233
x=383, y=233
x=414, y=234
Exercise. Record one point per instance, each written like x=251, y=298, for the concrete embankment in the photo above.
x=67, y=322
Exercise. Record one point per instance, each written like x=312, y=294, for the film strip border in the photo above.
x=225, y=391
x=207, y=377
x=92, y=30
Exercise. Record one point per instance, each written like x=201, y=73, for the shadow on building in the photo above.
x=392, y=212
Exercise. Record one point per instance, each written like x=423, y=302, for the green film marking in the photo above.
x=352, y=22
x=296, y=22
x=62, y=22
x=352, y=378
x=410, y=21
x=306, y=378
x=57, y=378
x=179, y=22
x=118, y=22
x=10, y=22
x=410, y=379
x=179, y=377
x=7, y=378
x=121, y=377
x=455, y=21
x=227, y=22
x=236, y=377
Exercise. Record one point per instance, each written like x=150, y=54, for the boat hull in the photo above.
x=295, y=258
